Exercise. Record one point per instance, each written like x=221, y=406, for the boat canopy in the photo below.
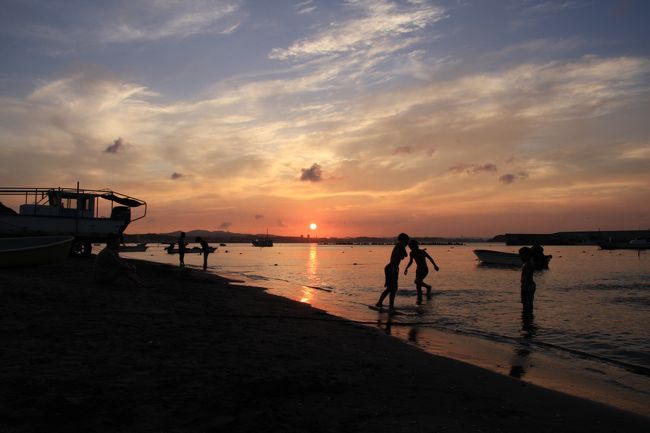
x=125, y=201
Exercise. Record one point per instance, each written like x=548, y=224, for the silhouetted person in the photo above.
x=109, y=267
x=205, y=250
x=527, y=283
x=391, y=271
x=181, y=249
x=421, y=269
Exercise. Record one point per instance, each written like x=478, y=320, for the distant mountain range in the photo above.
x=230, y=237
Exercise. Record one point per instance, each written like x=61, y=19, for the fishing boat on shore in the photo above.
x=500, y=258
x=37, y=250
x=67, y=212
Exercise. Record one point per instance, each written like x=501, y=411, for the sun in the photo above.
x=313, y=226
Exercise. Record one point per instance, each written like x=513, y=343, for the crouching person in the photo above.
x=110, y=268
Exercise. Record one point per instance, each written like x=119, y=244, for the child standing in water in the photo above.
x=391, y=271
x=527, y=283
x=421, y=270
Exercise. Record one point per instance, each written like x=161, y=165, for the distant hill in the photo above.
x=219, y=236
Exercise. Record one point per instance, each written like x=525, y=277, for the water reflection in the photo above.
x=312, y=274
x=520, y=361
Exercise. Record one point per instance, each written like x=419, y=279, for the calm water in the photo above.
x=591, y=307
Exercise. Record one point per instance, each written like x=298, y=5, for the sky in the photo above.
x=435, y=118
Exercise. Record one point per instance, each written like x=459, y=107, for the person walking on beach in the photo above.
x=391, y=272
x=205, y=250
x=421, y=270
x=527, y=283
x=181, y=249
x=109, y=267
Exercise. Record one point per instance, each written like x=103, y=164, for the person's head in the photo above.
x=413, y=244
x=182, y=234
x=403, y=238
x=525, y=253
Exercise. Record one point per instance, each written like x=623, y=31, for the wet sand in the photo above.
x=192, y=353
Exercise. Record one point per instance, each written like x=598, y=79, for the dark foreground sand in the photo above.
x=190, y=353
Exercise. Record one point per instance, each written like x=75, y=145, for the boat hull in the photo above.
x=498, y=258
x=35, y=225
x=30, y=251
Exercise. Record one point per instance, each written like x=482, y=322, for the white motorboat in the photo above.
x=67, y=211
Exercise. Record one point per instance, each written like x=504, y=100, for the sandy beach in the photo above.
x=191, y=352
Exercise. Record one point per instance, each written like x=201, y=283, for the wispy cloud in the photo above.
x=377, y=22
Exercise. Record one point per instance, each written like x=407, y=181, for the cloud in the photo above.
x=312, y=174
x=155, y=20
x=117, y=146
x=281, y=224
x=225, y=225
x=378, y=22
x=473, y=168
x=176, y=176
x=402, y=149
x=305, y=7
x=511, y=178
x=259, y=216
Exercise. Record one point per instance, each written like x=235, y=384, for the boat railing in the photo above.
x=37, y=198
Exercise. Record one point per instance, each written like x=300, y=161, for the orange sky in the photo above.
x=366, y=117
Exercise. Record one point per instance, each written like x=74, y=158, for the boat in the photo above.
x=194, y=250
x=36, y=250
x=263, y=242
x=634, y=244
x=500, y=258
x=68, y=212
x=137, y=248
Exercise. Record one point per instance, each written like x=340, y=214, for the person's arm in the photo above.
x=408, y=266
x=432, y=262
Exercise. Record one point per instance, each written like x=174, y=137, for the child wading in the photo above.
x=527, y=284
x=391, y=271
x=421, y=270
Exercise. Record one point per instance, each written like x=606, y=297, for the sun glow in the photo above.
x=313, y=226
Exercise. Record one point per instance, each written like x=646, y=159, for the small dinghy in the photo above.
x=37, y=250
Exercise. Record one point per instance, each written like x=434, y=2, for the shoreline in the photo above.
x=612, y=383
x=195, y=353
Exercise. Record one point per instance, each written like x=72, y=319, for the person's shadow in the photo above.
x=520, y=360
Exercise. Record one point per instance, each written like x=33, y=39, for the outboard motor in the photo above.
x=122, y=213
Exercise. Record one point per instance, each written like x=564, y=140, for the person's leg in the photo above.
x=418, y=286
x=205, y=262
x=391, y=299
x=385, y=293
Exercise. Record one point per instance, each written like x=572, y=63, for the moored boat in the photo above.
x=37, y=250
x=500, y=258
x=138, y=248
x=193, y=250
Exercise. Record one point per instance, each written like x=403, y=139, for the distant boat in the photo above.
x=264, y=242
x=28, y=251
x=133, y=248
x=491, y=257
x=193, y=250
x=634, y=244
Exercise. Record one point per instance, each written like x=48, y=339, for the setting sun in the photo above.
x=313, y=226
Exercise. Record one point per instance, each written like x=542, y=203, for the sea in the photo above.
x=589, y=335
